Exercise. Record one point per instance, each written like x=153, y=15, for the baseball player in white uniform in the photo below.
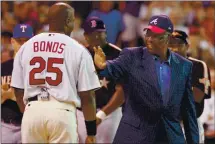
x=49, y=71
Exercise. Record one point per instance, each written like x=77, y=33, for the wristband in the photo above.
x=100, y=114
x=91, y=127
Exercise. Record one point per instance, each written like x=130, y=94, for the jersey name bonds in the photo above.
x=49, y=46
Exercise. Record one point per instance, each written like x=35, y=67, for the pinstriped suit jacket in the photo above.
x=145, y=118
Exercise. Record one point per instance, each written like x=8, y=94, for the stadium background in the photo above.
x=195, y=18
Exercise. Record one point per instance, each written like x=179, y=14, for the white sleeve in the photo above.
x=17, y=80
x=87, y=76
x=206, y=112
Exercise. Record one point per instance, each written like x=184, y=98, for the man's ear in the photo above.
x=12, y=40
x=67, y=21
x=86, y=36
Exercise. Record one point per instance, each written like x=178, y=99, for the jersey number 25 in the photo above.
x=50, y=69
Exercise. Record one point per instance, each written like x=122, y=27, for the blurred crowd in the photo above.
x=124, y=22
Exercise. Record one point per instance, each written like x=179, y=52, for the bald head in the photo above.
x=61, y=18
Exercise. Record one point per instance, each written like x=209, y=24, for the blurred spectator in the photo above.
x=78, y=32
x=130, y=14
x=177, y=17
x=200, y=48
x=158, y=7
x=8, y=21
x=113, y=20
x=83, y=7
x=26, y=13
x=208, y=24
x=43, y=18
x=188, y=12
x=206, y=3
x=199, y=10
x=195, y=17
x=143, y=18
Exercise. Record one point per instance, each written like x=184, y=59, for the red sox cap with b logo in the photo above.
x=159, y=24
x=22, y=31
x=94, y=24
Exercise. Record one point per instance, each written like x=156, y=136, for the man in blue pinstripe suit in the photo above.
x=157, y=87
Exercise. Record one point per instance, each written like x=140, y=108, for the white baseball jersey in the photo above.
x=57, y=63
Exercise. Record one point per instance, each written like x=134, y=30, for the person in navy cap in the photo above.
x=11, y=115
x=157, y=88
x=201, y=80
x=96, y=35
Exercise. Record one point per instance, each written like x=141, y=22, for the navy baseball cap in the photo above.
x=160, y=24
x=22, y=31
x=94, y=24
x=178, y=34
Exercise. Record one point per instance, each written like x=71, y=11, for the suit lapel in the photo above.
x=175, y=74
x=149, y=71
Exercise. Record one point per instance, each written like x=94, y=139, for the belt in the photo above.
x=79, y=108
x=97, y=109
x=35, y=98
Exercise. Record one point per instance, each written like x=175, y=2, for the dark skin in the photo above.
x=61, y=20
x=21, y=41
x=157, y=44
x=17, y=43
x=178, y=46
x=97, y=39
x=19, y=93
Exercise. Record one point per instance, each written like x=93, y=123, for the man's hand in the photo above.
x=5, y=86
x=90, y=139
x=210, y=134
x=7, y=93
x=99, y=58
x=98, y=121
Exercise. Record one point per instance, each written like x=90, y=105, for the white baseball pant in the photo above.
x=49, y=122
